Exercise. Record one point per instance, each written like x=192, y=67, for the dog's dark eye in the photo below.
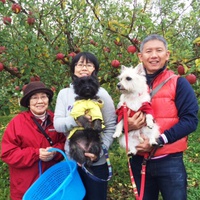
x=128, y=78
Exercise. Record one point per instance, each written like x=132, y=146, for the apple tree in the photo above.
x=39, y=38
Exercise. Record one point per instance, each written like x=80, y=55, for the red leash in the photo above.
x=143, y=171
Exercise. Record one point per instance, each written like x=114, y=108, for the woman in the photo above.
x=24, y=143
x=83, y=64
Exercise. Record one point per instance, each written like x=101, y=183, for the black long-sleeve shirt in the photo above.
x=187, y=106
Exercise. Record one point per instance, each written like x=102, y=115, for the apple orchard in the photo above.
x=38, y=39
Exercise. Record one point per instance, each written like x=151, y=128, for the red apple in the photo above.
x=34, y=78
x=17, y=87
x=191, y=78
x=118, y=43
x=135, y=41
x=131, y=49
x=7, y=20
x=3, y=1
x=2, y=49
x=181, y=70
x=14, y=69
x=56, y=47
x=120, y=55
x=1, y=67
x=115, y=63
x=31, y=20
x=24, y=86
x=37, y=78
x=72, y=54
x=106, y=49
x=77, y=50
x=16, y=8
x=92, y=42
x=53, y=88
x=60, y=56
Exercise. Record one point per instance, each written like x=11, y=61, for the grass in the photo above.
x=4, y=177
x=120, y=185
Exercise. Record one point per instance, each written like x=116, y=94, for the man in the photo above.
x=175, y=108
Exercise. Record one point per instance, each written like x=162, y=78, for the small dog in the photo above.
x=86, y=138
x=135, y=94
x=87, y=102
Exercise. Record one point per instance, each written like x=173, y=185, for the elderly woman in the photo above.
x=28, y=137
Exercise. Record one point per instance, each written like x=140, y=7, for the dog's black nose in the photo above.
x=87, y=88
x=118, y=85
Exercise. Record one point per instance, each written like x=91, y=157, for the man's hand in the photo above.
x=137, y=121
x=145, y=146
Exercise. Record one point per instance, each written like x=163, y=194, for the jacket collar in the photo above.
x=151, y=77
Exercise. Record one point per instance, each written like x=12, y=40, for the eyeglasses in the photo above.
x=81, y=65
x=36, y=98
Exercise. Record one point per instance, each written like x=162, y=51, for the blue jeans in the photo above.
x=95, y=190
x=166, y=175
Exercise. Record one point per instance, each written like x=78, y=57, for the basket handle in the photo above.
x=64, y=155
x=60, y=151
x=51, y=150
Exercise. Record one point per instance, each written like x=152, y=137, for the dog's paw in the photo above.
x=116, y=134
x=150, y=123
x=129, y=153
x=97, y=126
x=132, y=151
x=153, y=142
x=158, y=143
x=97, y=130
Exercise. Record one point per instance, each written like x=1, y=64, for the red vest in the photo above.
x=165, y=111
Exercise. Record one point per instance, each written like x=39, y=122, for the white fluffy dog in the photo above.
x=132, y=85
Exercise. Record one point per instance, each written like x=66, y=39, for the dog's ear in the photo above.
x=74, y=77
x=140, y=69
x=123, y=68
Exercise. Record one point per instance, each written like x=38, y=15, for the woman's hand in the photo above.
x=83, y=120
x=91, y=156
x=88, y=116
x=45, y=155
x=137, y=121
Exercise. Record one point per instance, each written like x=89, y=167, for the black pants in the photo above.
x=95, y=190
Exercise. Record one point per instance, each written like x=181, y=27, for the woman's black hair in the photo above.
x=89, y=57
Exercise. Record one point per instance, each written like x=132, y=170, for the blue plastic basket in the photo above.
x=59, y=182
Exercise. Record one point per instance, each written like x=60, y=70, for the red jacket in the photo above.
x=166, y=114
x=20, y=150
